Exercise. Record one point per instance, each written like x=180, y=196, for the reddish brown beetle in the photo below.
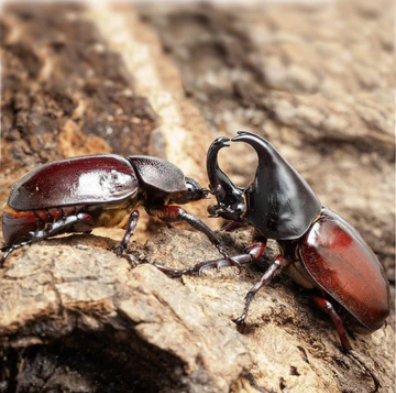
x=319, y=250
x=82, y=193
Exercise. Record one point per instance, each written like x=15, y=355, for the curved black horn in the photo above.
x=229, y=197
x=220, y=184
x=280, y=203
x=265, y=151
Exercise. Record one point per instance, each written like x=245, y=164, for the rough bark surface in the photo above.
x=316, y=80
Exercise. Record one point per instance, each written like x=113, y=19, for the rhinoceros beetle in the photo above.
x=318, y=249
x=82, y=193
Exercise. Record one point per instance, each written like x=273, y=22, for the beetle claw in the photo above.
x=174, y=273
x=228, y=261
x=118, y=249
x=201, y=269
x=235, y=263
x=130, y=259
x=375, y=379
x=240, y=321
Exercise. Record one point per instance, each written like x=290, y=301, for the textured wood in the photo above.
x=166, y=80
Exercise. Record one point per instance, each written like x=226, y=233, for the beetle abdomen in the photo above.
x=75, y=181
x=345, y=267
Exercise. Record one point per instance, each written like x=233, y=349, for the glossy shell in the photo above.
x=159, y=175
x=279, y=203
x=344, y=266
x=80, y=180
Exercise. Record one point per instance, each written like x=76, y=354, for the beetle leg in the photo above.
x=81, y=222
x=8, y=250
x=170, y=214
x=129, y=231
x=51, y=229
x=270, y=273
x=328, y=308
x=199, y=267
x=252, y=253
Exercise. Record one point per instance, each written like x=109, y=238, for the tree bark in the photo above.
x=165, y=81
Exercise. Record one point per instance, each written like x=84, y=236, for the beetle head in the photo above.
x=194, y=192
x=229, y=197
x=279, y=203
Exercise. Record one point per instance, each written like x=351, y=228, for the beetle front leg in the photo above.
x=200, y=267
x=171, y=214
x=328, y=308
x=252, y=253
x=270, y=273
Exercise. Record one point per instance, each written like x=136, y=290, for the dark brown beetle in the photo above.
x=82, y=193
x=319, y=250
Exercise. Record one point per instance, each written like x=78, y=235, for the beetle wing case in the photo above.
x=280, y=203
x=159, y=175
x=344, y=266
x=79, y=180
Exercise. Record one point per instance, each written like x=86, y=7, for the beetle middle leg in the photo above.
x=274, y=269
x=129, y=231
x=328, y=308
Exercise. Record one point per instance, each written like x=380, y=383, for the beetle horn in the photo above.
x=229, y=197
x=220, y=184
x=265, y=151
x=279, y=201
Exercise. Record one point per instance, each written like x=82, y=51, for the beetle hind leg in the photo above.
x=9, y=249
x=269, y=274
x=79, y=222
x=328, y=308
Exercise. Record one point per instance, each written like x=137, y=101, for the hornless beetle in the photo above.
x=318, y=249
x=82, y=193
